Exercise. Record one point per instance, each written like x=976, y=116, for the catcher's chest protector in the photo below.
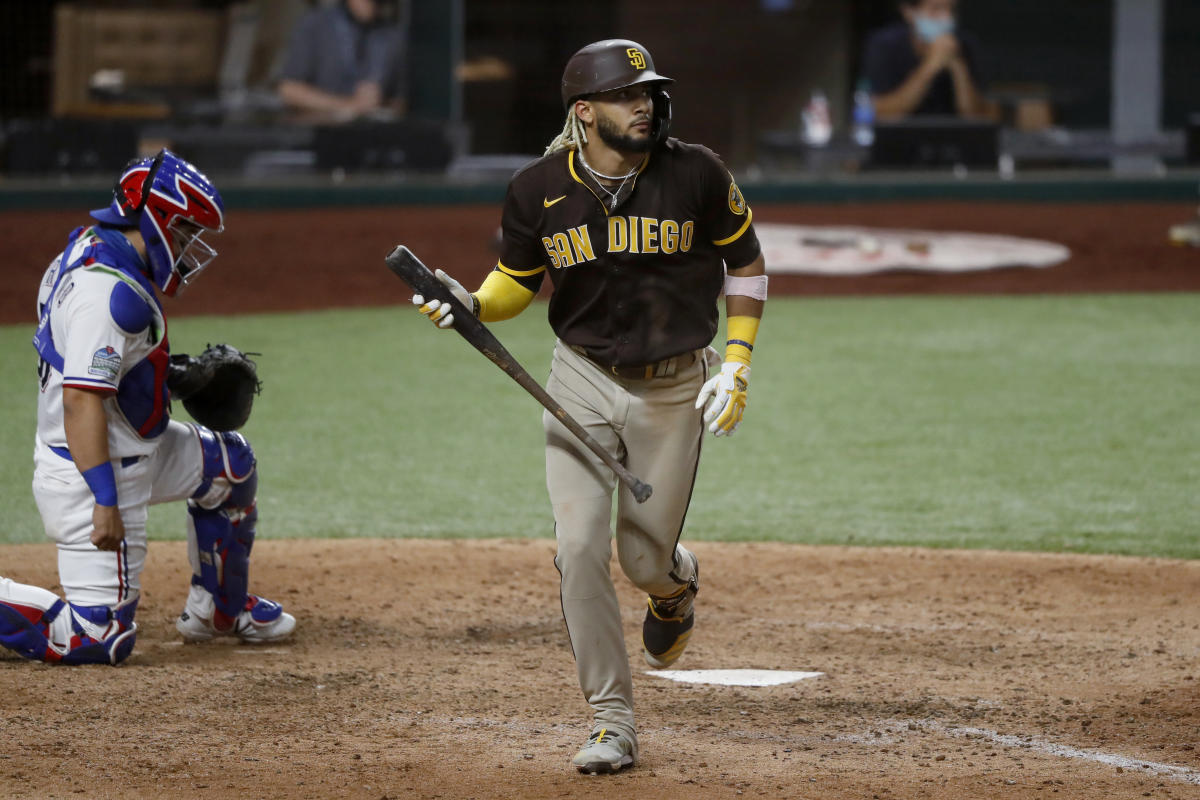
x=142, y=393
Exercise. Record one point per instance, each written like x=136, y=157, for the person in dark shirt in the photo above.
x=925, y=65
x=346, y=60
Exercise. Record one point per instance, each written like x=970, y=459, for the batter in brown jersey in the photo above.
x=636, y=277
x=639, y=233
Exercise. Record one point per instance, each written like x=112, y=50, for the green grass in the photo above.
x=1040, y=423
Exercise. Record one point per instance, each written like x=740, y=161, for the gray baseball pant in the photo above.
x=651, y=425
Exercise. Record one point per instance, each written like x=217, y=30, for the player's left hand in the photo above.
x=108, y=531
x=439, y=312
x=725, y=394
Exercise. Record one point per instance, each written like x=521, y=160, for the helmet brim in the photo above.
x=110, y=217
x=646, y=77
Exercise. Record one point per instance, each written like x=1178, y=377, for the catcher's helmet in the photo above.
x=171, y=203
x=615, y=64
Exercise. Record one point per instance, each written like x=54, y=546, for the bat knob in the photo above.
x=641, y=491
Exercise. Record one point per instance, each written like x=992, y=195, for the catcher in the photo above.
x=106, y=447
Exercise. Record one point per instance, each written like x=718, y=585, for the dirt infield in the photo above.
x=283, y=260
x=441, y=670
x=430, y=669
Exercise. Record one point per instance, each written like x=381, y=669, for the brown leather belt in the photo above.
x=667, y=368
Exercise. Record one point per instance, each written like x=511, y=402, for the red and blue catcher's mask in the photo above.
x=171, y=203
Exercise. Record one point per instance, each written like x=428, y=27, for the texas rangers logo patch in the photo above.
x=106, y=363
x=737, y=204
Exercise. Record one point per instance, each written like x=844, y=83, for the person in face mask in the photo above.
x=925, y=65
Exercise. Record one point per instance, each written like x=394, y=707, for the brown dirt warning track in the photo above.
x=425, y=669
x=321, y=258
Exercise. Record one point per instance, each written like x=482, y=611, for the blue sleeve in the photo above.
x=388, y=61
x=879, y=65
x=299, y=63
x=971, y=54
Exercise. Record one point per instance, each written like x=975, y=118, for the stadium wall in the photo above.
x=319, y=246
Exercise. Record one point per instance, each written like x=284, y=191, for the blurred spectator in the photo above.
x=925, y=65
x=347, y=60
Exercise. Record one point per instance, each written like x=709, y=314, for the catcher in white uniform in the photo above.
x=106, y=447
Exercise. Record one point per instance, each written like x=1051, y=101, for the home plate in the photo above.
x=734, y=677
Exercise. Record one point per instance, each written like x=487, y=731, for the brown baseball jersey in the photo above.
x=636, y=277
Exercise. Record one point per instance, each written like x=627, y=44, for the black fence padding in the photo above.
x=76, y=146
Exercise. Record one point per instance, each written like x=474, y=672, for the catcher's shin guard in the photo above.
x=221, y=518
x=39, y=626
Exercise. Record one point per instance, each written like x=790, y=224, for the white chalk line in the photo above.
x=834, y=625
x=1036, y=744
x=937, y=627
x=1039, y=745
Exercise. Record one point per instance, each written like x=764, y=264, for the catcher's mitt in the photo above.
x=217, y=387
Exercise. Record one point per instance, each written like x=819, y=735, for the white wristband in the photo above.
x=754, y=287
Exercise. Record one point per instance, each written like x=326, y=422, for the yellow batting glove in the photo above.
x=725, y=394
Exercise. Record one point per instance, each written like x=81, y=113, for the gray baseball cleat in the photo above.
x=668, y=623
x=606, y=752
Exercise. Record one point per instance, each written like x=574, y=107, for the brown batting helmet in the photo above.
x=610, y=64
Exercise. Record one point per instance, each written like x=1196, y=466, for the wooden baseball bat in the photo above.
x=423, y=282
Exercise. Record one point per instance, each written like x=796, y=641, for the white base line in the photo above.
x=899, y=727
x=1171, y=771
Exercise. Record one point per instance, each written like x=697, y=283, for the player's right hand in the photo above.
x=439, y=312
x=108, y=531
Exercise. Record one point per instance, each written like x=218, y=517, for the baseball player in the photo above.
x=639, y=234
x=106, y=447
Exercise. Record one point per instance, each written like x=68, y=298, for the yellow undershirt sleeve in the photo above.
x=501, y=297
x=741, y=332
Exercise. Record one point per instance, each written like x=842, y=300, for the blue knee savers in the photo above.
x=225, y=534
x=113, y=649
x=29, y=637
x=227, y=455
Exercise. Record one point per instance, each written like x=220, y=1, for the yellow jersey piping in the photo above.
x=520, y=273
x=740, y=231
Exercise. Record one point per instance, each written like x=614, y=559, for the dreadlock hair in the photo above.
x=573, y=135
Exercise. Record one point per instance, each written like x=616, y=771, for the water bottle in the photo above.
x=816, y=128
x=864, y=115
